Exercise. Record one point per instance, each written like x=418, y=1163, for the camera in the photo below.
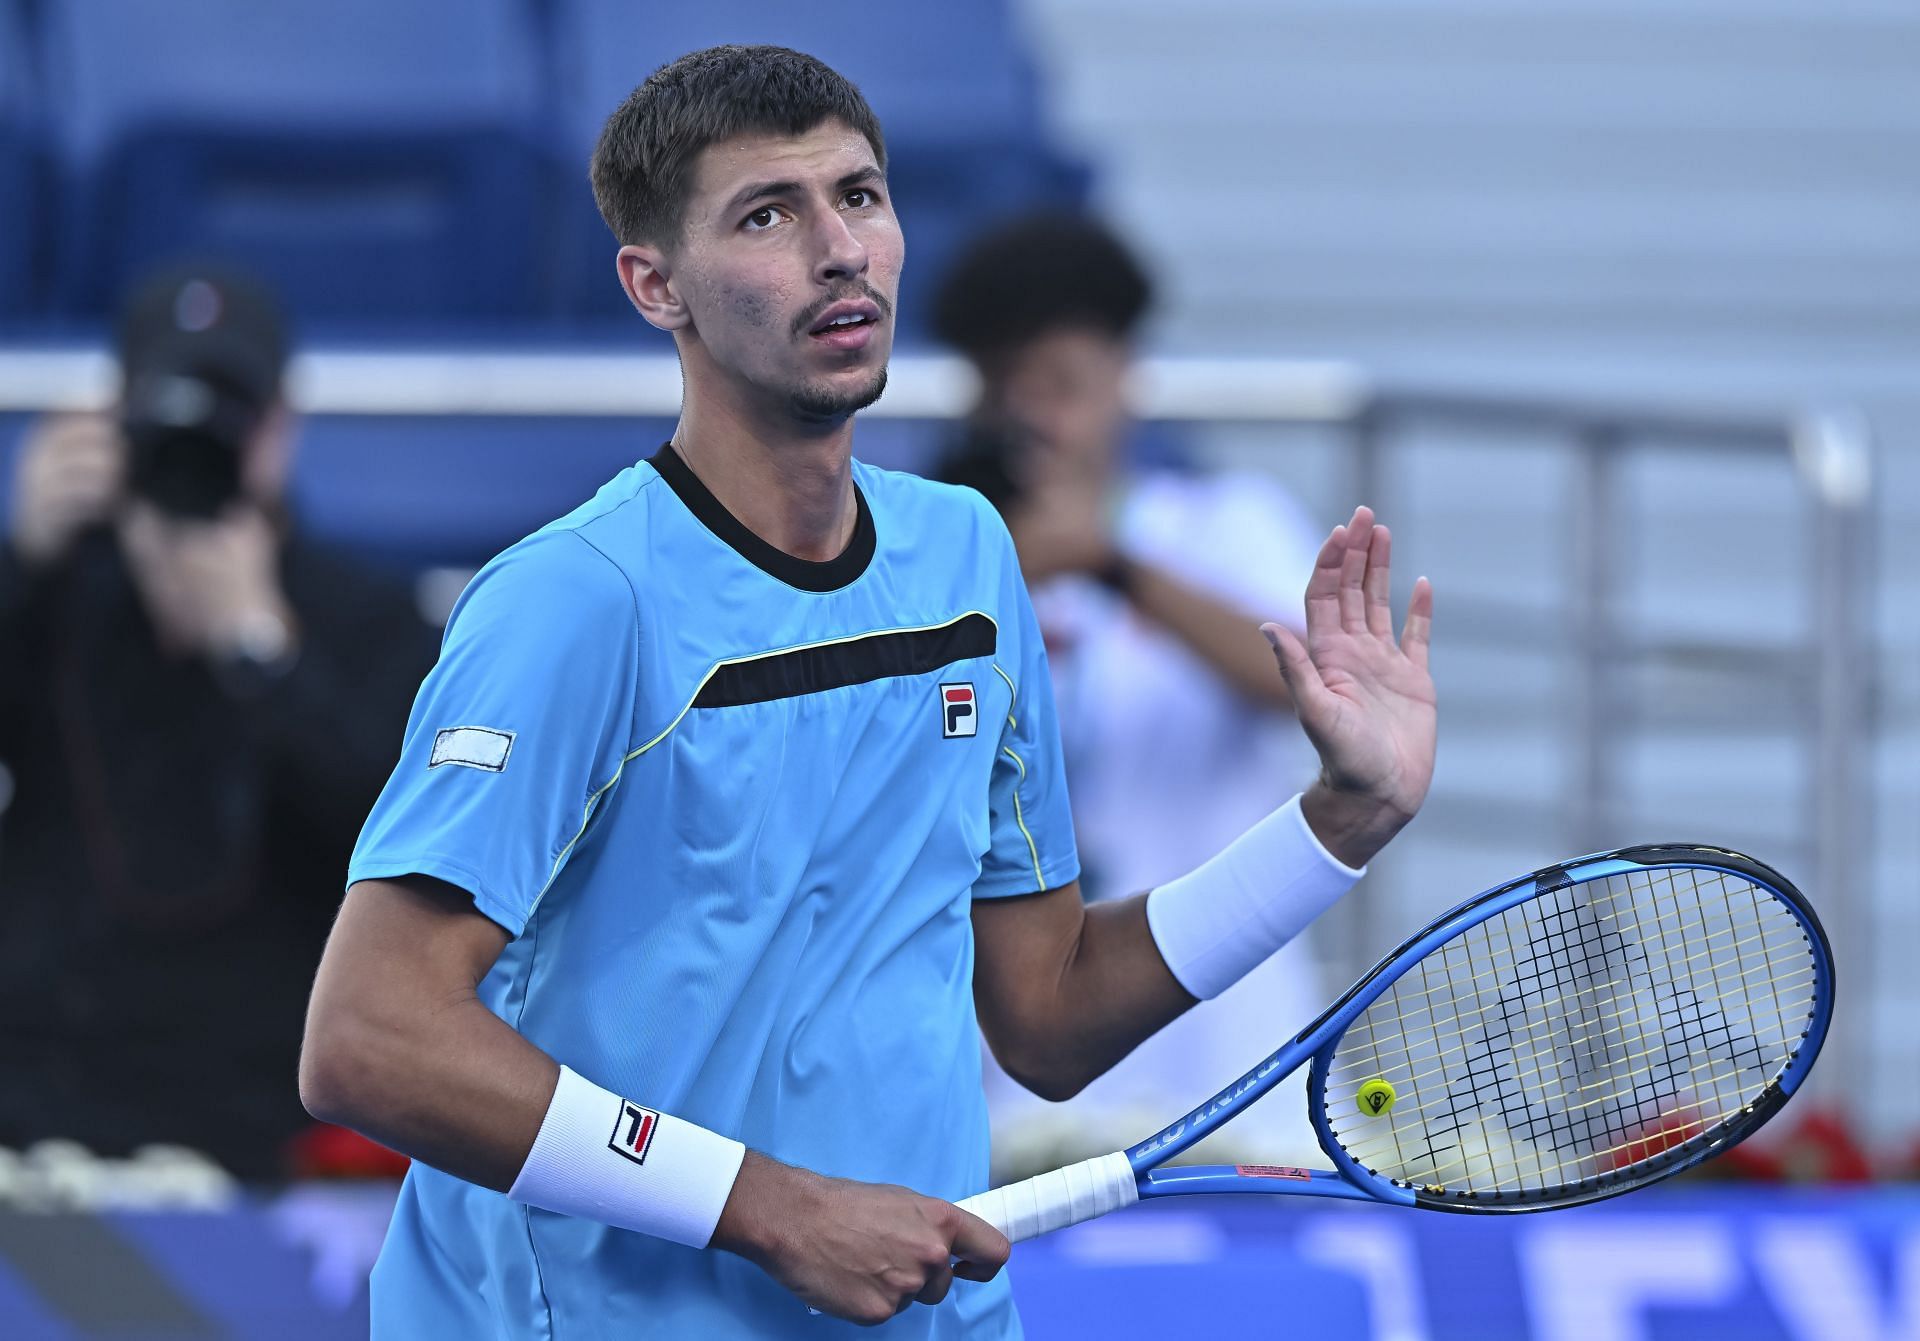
x=186, y=434
x=987, y=457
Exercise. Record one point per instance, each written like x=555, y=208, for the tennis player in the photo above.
x=737, y=791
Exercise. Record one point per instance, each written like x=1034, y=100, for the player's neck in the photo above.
x=791, y=485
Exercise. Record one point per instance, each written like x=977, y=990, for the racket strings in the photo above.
x=1354, y=1065
x=1687, y=1118
x=1399, y=1078
x=1530, y=1063
x=1529, y=1066
x=1577, y=1033
x=1627, y=1016
x=1359, y=1068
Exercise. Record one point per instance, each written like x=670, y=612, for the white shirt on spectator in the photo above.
x=1166, y=764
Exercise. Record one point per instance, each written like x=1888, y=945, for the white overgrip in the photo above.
x=1051, y=1201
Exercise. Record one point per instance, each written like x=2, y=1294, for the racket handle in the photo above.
x=1055, y=1200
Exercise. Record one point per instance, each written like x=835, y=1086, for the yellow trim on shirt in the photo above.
x=1039, y=880
x=1019, y=818
x=1012, y=694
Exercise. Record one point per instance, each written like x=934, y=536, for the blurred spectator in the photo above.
x=1149, y=585
x=197, y=705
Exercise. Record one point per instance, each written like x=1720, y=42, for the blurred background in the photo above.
x=1610, y=307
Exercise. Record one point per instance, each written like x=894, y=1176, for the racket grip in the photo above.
x=1055, y=1200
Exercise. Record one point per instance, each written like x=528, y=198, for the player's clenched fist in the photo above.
x=860, y=1251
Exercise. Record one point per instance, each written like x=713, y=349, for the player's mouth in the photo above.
x=848, y=325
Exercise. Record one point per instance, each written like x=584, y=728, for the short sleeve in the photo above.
x=1032, y=826
x=518, y=729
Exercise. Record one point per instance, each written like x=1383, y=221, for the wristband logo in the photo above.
x=633, y=1131
x=957, y=713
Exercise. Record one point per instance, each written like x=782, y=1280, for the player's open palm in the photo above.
x=1365, y=700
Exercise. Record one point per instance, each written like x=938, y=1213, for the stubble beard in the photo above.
x=820, y=401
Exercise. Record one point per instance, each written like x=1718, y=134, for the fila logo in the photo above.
x=633, y=1131
x=957, y=715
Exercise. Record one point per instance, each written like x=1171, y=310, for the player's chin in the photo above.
x=839, y=395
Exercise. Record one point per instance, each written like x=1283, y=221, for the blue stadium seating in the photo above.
x=446, y=489
x=951, y=83
x=22, y=179
x=417, y=491
x=421, y=167
x=374, y=159
x=954, y=73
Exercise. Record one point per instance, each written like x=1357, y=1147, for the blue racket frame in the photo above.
x=1318, y=1041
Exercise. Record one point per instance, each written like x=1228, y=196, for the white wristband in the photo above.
x=1219, y=922
x=609, y=1159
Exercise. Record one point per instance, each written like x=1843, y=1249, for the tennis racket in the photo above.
x=1579, y=1032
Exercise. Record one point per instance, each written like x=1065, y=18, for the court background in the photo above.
x=1612, y=308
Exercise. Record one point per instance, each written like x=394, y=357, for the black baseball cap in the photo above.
x=208, y=322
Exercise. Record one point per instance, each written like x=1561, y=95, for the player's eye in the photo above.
x=860, y=197
x=764, y=217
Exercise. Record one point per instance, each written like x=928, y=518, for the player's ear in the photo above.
x=644, y=274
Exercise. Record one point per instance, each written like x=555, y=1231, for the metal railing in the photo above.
x=1830, y=454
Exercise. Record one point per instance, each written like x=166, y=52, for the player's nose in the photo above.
x=841, y=253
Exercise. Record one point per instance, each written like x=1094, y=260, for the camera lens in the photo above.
x=185, y=436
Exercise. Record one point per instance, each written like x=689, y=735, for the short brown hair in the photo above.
x=644, y=161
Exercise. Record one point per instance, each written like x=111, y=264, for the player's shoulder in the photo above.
x=929, y=506
x=608, y=525
x=572, y=562
x=619, y=508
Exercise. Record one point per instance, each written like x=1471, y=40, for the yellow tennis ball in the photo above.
x=1376, y=1098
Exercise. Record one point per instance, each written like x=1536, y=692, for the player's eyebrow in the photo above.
x=868, y=175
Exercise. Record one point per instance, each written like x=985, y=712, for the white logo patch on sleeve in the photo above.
x=479, y=747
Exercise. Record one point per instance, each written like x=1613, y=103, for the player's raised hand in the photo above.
x=860, y=1251
x=1365, y=700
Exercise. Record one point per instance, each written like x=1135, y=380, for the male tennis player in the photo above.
x=737, y=790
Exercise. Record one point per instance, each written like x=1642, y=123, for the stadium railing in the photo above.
x=1823, y=676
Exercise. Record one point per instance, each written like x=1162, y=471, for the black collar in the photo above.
x=829, y=575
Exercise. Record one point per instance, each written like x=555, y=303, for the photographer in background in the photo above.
x=1149, y=585
x=197, y=706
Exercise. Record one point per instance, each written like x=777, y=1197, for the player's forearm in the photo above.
x=1064, y=991
x=399, y=1046
x=1112, y=992
x=463, y=1094
x=1223, y=637
x=1131, y=970
x=443, y=1081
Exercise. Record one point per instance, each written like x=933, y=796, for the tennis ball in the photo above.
x=1376, y=1098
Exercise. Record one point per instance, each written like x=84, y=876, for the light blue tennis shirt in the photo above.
x=734, y=808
